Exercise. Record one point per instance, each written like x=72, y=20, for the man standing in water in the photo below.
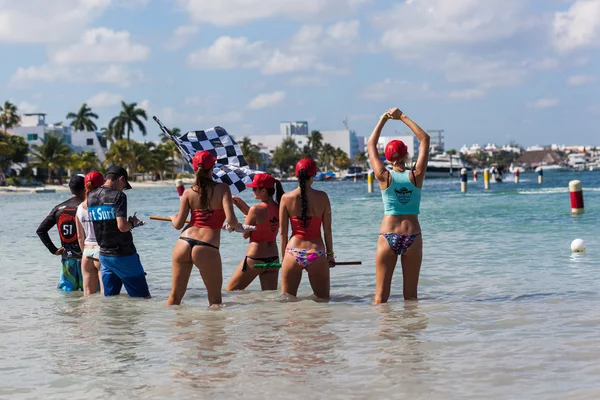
x=63, y=215
x=119, y=262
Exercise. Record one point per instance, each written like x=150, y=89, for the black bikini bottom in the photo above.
x=194, y=242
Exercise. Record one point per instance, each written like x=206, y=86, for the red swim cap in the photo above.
x=96, y=178
x=308, y=165
x=203, y=160
x=263, y=181
x=395, y=150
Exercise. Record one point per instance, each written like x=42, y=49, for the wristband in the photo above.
x=330, y=254
x=384, y=117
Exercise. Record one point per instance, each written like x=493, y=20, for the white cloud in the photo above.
x=236, y=12
x=101, y=45
x=104, y=99
x=577, y=80
x=579, y=27
x=266, y=100
x=181, y=36
x=229, y=53
x=115, y=74
x=25, y=107
x=43, y=21
x=388, y=89
x=426, y=25
x=545, y=102
x=485, y=73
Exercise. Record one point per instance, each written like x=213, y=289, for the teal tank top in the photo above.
x=402, y=197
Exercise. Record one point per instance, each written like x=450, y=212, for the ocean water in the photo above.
x=506, y=310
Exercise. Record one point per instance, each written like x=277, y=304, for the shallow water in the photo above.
x=506, y=310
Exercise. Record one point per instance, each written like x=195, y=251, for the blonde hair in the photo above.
x=405, y=161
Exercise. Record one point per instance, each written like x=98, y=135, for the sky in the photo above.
x=496, y=71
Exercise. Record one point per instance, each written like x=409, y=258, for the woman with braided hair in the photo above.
x=306, y=209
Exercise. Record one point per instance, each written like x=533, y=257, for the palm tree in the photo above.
x=8, y=115
x=109, y=134
x=164, y=138
x=360, y=159
x=53, y=154
x=327, y=156
x=82, y=120
x=250, y=151
x=163, y=160
x=119, y=154
x=85, y=161
x=129, y=117
x=286, y=155
x=315, y=142
x=341, y=160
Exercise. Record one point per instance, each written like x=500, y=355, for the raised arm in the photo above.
x=228, y=207
x=178, y=220
x=328, y=231
x=422, y=137
x=283, y=225
x=378, y=167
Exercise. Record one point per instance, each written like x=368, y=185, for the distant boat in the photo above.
x=444, y=166
x=594, y=166
x=514, y=169
x=552, y=168
x=354, y=171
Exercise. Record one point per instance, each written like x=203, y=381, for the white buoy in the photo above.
x=578, y=246
x=463, y=180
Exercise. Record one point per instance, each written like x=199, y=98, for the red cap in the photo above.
x=308, y=165
x=96, y=178
x=204, y=160
x=395, y=150
x=263, y=181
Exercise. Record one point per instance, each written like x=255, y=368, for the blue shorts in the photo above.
x=119, y=271
x=70, y=275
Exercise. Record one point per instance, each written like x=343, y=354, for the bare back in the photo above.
x=219, y=199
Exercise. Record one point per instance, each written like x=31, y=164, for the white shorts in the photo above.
x=91, y=251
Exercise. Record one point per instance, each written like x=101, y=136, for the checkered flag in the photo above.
x=231, y=168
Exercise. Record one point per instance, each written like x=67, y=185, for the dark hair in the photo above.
x=204, y=182
x=280, y=191
x=302, y=178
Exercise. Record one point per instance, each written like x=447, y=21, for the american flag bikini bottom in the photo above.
x=400, y=242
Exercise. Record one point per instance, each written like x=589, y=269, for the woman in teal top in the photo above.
x=401, y=192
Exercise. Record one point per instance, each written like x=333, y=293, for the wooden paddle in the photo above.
x=278, y=265
x=246, y=228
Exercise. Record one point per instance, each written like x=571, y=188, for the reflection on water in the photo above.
x=507, y=316
x=202, y=354
x=400, y=347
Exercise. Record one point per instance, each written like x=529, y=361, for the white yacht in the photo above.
x=444, y=166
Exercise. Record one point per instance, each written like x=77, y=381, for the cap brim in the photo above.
x=251, y=184
x=127, y=186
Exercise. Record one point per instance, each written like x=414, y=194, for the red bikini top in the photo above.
x=211, y=219
x=311, y=231
x=267, y=231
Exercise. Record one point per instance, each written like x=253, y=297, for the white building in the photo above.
x=346, y=140
x=34, y=130
x=287, y=128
